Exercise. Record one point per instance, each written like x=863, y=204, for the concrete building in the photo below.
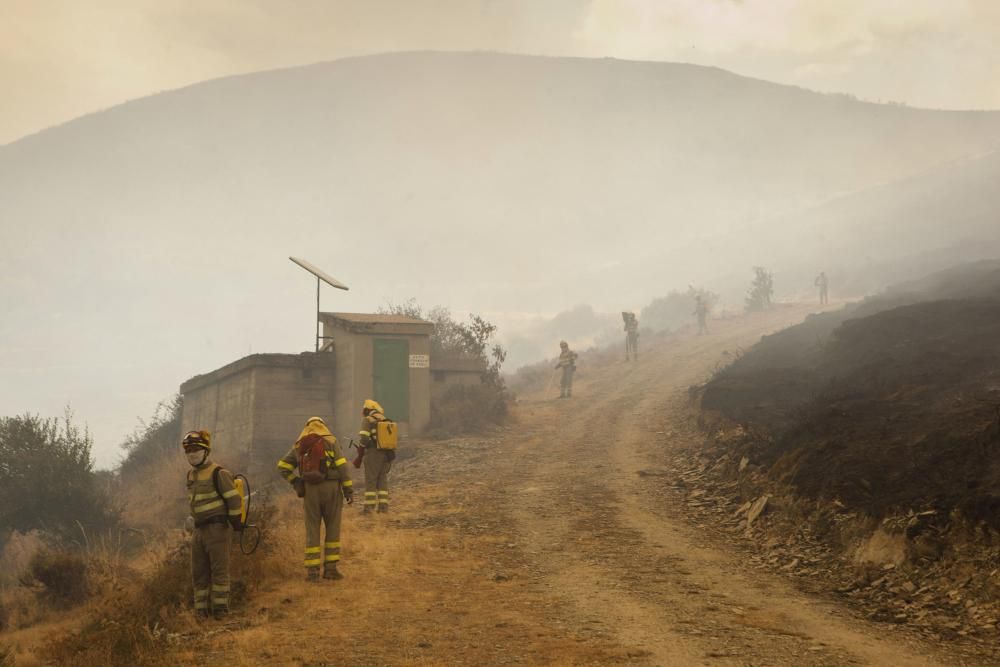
x=256, y=406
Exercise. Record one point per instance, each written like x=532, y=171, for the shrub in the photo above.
x=134, y=625
x=6, y=654
x=62, y=573
x=47, y=478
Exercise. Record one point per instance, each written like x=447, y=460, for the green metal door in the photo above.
x=392, y=377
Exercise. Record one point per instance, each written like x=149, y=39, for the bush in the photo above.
x=47, y=478
x=62, y=573
x=134, y=626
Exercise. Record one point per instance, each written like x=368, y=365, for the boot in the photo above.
x=383, y=508
x=312, y=574
x=367, y=509
x=220, y=614
x=331, y=572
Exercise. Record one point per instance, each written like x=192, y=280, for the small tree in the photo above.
x=47, y=478
x=761, y=290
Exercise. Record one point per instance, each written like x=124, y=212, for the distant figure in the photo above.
x=822, y=283
x=631, y=335
x=701, y=310
x=567, y=362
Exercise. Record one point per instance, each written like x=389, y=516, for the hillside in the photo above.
x=504, y=184
x=887, y=405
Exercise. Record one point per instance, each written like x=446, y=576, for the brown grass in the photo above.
x=155, y=499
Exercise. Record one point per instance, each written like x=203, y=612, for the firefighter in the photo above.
x=317, y=470
x=215, y=507
x=377, y=461
x=567, y=362
x=631, y=335
x=823, y=284
x=701, y=310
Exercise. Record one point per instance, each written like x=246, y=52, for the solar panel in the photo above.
x=329, y=280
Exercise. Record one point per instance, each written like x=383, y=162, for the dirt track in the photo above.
x=543, y=545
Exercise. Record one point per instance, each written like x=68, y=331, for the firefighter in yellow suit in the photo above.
x=322, y=501
x=377, y=461
x=215, y=507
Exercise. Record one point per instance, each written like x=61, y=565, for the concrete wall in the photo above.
x=450, y=372
x=255, y=407
x=224, y=408
x=285, y=397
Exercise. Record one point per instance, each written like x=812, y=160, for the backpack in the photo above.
x=312, y=460
x=386, y=435
x=240, y=484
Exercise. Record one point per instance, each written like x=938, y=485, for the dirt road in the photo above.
x=544, y=545
x=611, y=540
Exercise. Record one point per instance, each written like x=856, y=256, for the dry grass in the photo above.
x=419, y=590
x=155, y=499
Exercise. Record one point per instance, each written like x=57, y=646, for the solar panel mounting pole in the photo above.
x=317, y=313
x=321, y=276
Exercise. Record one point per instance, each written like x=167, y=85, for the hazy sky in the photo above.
x=63, y=58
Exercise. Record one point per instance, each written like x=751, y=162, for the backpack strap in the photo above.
x=215, y=480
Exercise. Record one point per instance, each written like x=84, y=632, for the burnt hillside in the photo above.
x=890, y=404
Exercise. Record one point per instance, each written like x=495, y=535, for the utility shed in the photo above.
x=256, y=406
x=383, y=357
x=448, y=372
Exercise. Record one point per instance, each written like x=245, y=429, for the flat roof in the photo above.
x=301, y=360
x=378, y=324
x=375, y=318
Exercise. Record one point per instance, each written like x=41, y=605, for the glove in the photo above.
x=300, y=487
x=348, y=495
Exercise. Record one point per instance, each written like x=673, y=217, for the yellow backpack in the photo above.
x=386, y=434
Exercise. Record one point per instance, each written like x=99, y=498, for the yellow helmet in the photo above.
x=315, y=419
x=371, y=405
x=201, y=439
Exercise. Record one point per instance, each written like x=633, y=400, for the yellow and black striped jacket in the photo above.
x=211, y=502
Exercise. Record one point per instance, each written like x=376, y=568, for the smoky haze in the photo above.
x=149, y=242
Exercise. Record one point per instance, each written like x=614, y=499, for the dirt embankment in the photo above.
x=873, y=436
